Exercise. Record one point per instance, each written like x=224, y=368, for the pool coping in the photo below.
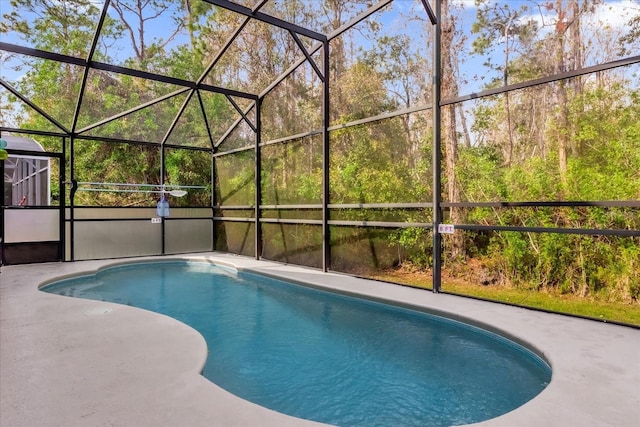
x=66, y=361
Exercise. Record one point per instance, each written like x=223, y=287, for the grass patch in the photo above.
x=562, y=303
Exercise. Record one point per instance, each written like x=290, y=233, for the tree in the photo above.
x=136, y=15
x=402, y=69
x=500, y=24
x=449, y=88
x=566, y=31
x=629, y=41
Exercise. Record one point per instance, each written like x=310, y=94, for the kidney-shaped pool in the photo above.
x=328, y=357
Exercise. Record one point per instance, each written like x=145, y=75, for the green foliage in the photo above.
x=478, y=166
x=416, y=247
x=603, y=165
x=235, y=176
x=500, y=25
x=186, y=167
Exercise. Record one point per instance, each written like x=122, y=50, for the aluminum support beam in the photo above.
x=72, y=195
x=554, y=204
x=133, y=110
x=34, y=106
x=258, y=183
x=63, y=200
x=174, y=123
x=430, y=13
x=37, y=53
x=170, y=80
x=258, y=6
x=206, y=119
x=326, y=235
x=163, y=233
x=42, y=54
x=222, y=50
x=233, y=126
x=85, y=74
x=246, y=11
x=243, y=116
x=307, y=55
x=358, y=18
x=548, y=79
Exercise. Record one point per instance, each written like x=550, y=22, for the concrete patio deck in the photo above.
x=73, y=362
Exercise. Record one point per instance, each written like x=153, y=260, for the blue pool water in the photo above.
x=326, y=357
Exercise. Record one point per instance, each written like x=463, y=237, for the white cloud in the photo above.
x=612, y=15
x=616, y=14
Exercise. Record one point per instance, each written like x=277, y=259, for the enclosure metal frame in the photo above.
x=192, y=88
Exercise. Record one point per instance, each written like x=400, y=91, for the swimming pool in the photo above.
x=327, y=357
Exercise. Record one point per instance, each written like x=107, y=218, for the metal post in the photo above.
x=437, y=155
x=72, y=194
x=258, y=181
x=62, y=178
x=213, y=199
x=326, y=235
x=162, y=195
x=2, y=209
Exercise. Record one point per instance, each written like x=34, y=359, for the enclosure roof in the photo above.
x=22, y=143
x=183, y=81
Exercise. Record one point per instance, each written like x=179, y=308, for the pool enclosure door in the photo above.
x=31, y=216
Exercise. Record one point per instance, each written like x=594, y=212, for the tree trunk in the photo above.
x=449, y=130
x=561, y=92
x=505, y=81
